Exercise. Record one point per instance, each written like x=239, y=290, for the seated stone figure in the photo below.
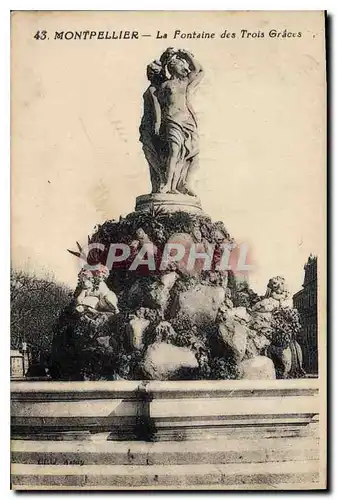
x=262, y=315
x=93, y=296
x=276, y=295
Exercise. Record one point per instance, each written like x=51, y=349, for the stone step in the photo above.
x=127, y=476
x=246, y=435
x=141, y=453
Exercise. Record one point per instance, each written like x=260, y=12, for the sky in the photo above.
x=76, y=108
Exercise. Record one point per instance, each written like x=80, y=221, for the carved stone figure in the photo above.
x=277, y=289
x=150, y=125
x=262, y=315
x=93, y=296
x=169, y=127
x=279, y=325
x=136, y=328
x=288, y=361
x=275, y=296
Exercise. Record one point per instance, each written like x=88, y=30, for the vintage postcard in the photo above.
x=168, y=253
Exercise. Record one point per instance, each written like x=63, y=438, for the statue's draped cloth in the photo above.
x=150, y=142
x=183, y=133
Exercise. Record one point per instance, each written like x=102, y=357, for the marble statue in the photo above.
x=150, y=125
x=276, y=295
x=169, y=131
x=284, y=350
x=93, y=296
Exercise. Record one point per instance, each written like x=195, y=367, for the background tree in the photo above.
x=35, y=307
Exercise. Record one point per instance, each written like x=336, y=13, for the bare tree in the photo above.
x=35, y=306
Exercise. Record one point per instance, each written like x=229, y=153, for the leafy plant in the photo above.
x=285, y=326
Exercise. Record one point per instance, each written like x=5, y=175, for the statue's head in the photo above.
x=178, y=67
x=87, y=282
x=140, y=312
x=277, y=285
x=154, y=71
x=167, y=54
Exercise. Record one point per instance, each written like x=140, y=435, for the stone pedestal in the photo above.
x=161, y=411
x=169, y=202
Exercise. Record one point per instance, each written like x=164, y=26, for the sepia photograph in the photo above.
x=168, y=250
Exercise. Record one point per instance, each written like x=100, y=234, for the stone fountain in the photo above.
x=151, y=315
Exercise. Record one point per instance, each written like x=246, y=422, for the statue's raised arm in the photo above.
x=196, y=73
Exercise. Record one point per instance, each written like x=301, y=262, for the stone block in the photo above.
x=258, y=368
x=200, y=304
x=166, y=361
x=233, y=334
x=169, y=202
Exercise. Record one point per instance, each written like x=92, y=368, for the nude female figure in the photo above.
x=178, y=130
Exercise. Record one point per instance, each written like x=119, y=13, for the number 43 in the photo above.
x=40, y=35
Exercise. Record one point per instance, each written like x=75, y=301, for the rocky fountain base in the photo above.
x=154, y=317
